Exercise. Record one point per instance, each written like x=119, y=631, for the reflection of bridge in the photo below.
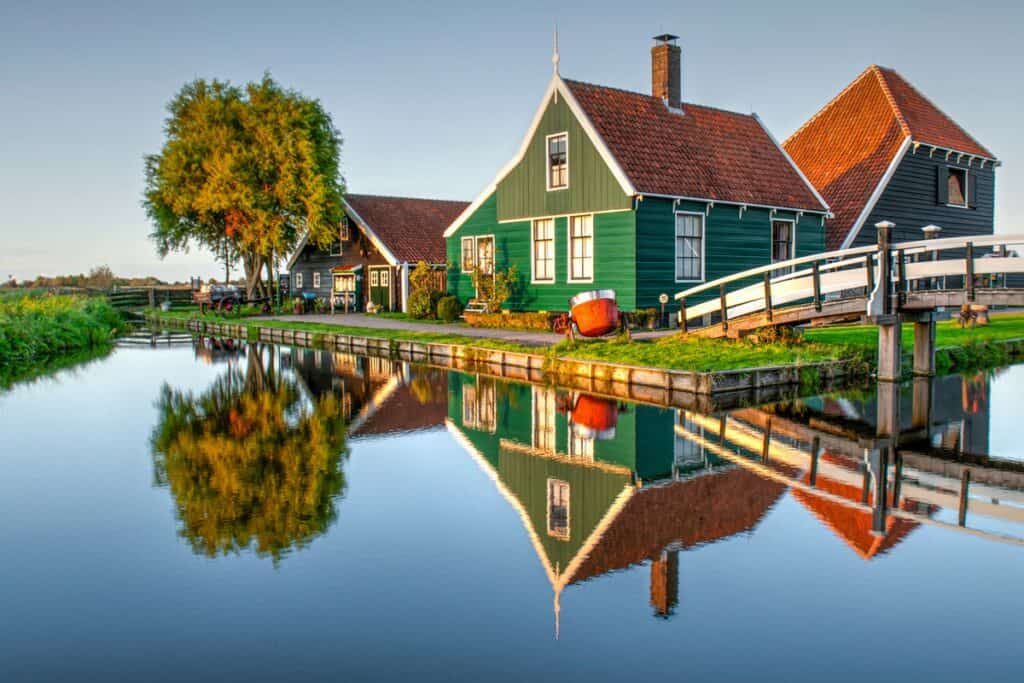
x=887, y=473
x=884, y=283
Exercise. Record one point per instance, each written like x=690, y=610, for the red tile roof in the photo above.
x=413, y=229
x=845, y=148
x=703, y=152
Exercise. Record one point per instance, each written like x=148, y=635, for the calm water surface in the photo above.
x=262, y=513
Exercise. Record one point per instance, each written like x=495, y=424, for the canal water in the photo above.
x=205, y=510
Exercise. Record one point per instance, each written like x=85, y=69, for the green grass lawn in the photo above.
x=850, y=343
x=947, y=333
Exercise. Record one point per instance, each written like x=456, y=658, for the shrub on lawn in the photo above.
x=512, y=321
x=448, y=308
x=423, y=304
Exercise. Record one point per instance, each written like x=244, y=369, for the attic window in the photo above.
x=957, y=184
x=558, y=161
x=345, y=233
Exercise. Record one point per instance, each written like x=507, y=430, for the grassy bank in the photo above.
x=37, y=330
x=702, y=355
x=957, y=349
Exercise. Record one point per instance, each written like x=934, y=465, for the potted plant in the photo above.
x=297, y=306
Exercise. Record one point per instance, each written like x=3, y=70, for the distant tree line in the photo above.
x=100, y=277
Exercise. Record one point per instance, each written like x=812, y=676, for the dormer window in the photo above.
x=345, y=233
x=558, y=161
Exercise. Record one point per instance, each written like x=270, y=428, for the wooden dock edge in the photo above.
x=653, y=385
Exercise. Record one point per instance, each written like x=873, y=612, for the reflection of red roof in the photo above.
x=705, y=153
x=412, y=229
x=420, y=405
x=851, y=524
x=688, y=512
x=845, y=149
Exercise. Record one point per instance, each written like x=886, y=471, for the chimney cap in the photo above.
x=666, y=38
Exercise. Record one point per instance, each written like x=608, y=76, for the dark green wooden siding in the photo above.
x=592, y=187
x=614, y=258
x=734, y=243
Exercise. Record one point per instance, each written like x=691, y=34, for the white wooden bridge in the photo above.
x=884, y=283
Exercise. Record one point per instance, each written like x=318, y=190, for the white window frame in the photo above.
x=703, y=246
x=771, y=244
x=472, y=253
x=568, y=248
x=547, y=161
x=345, y=230
x=544, y=420
x=966, y=192
x=298, y=280
x=316, y=279
x=374, y=278
x=561, y=485
x=336, y=249
x=494, y=252
x=385, y=277
x=533, y=253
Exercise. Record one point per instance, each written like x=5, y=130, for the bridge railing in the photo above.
x=848, y=273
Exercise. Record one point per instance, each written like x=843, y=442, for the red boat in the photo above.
x=595, y=312
x=593, y=417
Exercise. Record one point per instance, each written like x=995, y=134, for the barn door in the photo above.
x=380, y=287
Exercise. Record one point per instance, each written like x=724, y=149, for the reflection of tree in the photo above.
x=249, y=463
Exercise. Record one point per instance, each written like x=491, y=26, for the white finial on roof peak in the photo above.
x=554, y=54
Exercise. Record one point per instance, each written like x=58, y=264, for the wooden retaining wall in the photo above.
x=667, y=387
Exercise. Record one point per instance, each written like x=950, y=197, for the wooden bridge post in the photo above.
x=969, y=275
x=921, y=415
x=879, y=466
x=816, y=281
x=725, y=310
x=890, y=348
x=682, y=314
x=924, y=344
x=768, y=296
x=880, y=309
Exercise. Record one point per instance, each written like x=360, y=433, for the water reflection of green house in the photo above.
x=588, y=504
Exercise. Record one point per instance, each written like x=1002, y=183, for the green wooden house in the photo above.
x=643, y=194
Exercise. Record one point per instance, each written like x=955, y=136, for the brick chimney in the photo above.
x=666, y=72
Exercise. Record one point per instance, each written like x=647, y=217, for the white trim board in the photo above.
x=556, y=85
x=876, y=194
x=362, y=225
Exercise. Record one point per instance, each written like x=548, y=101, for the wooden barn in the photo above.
x=380, y=240
x=881, y=150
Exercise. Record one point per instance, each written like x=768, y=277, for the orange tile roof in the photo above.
x=703, y=153
x=413, y=229
x=845, y=148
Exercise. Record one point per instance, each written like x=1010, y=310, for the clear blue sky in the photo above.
x=432, y=98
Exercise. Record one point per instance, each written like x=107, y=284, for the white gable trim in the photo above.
x=557, y=85
x=876, y=195
x=792, y=163
x=363, y=225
